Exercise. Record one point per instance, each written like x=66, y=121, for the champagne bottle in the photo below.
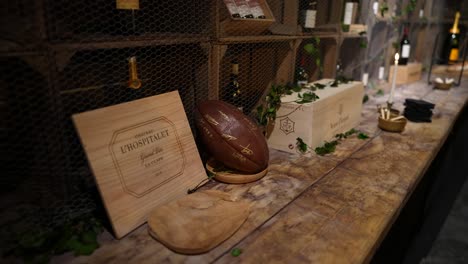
x=256, y=9
x=405, y=48
x=302, y=78
x=349, y=14
x=309, y=15
x=454, y=40
x=232, y=92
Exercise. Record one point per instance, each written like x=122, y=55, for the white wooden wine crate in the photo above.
x=406, y=73
x=142, y=154
x=231, y=26
x=337, y=110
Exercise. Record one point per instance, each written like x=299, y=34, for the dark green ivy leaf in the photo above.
x=365, y=98
x=235, y=252
x=301, y=145
x=363, y=136
x=310, y=48
x=319, y=86
x=296, y=88
x=328, y=147
x=307, y=98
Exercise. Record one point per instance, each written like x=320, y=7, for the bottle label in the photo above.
x=381, y=73
x=255, y=8
x=243, y=8
x=348, y=15
x=231, y=6
x=309, y=21
x=375, y=8
x=405, y=51
x=453, y=55
x=235, y=68
x=128, y=4
x=365, y=78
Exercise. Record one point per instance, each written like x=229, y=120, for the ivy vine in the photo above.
x=383, y=8
x=313, y=49
x=39, y=246
x=266, y=112
x=329, y=146
x=410, y=7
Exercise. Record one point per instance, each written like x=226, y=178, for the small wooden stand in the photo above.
x=406, y=73
x=229, y=176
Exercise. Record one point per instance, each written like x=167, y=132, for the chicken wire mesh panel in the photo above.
x=259, y=66
x=27, y=114
x=47, y=180
x=310, y=59
x=101, y=19
x=322, y=15
x=20, y=25
x=352, y=63
x=32, y=185
x=99, y=78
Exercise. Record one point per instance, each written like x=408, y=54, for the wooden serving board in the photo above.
x=142, y=154
x=228, y=176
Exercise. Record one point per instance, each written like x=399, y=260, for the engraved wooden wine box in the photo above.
x=337, y=110
x=142, y=154
x=406, y=73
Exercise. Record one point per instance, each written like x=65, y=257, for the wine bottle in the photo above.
x=232, y=92
x=405, y=48
x=232, y=8
x=349, y=14
x=244, y=9
x=133, y=81
x=339, y=69
x=309, y=15
x=302, y=78
x=256, y=9
x=454, y=40
x=365, y=78
x=421, y=10
x=381, y=72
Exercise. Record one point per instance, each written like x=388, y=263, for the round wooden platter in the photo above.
x=229, y=176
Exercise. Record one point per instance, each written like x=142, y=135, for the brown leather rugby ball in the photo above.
x=231, y=137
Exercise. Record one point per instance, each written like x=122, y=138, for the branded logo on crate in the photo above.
x=287, y=125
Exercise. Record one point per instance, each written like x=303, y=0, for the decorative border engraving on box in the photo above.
x=287, y=125
x=142, y=148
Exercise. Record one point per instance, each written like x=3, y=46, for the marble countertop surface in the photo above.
x=335, y=208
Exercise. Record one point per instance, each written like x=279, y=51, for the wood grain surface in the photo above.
x=331, y=209
x=197, y=222
x=142, y=154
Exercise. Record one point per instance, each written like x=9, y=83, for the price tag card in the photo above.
x=142, y=155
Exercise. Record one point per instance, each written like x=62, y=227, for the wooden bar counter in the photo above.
x=325, y=209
